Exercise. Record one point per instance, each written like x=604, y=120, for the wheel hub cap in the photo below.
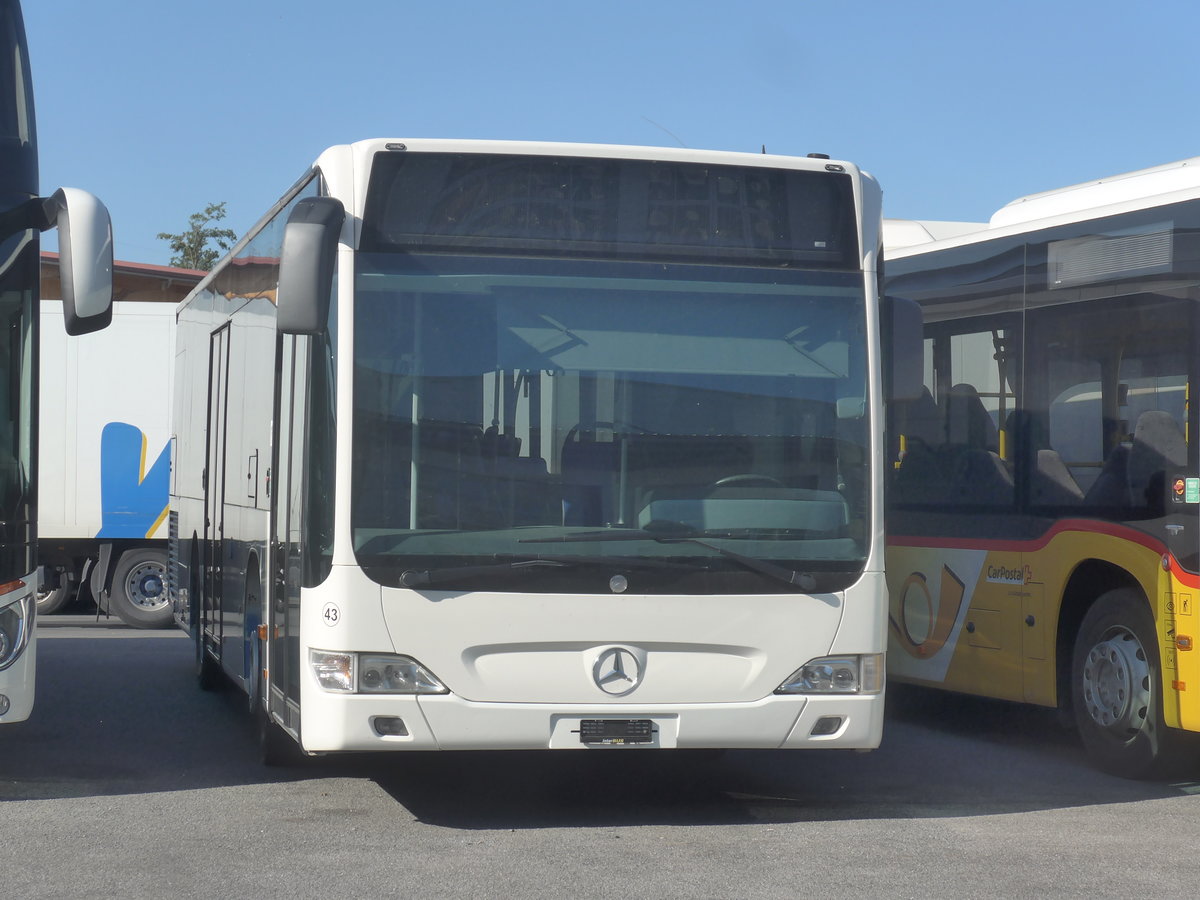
x=1116, y=683
x=146, y=586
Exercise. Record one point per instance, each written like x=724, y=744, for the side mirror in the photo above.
x=310, y=241
x=85, y=249
x=904, y=345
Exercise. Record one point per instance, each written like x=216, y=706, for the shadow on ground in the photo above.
x=122, y=716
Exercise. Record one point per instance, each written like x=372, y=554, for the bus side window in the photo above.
x=1158, y=446
x=953, y=452
x=1117, y=401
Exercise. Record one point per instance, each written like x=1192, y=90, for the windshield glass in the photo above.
x=18, y=142
x=612, y=418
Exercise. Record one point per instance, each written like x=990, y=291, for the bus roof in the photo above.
x=908, y=232
x=1139, y=189
x=817, y=162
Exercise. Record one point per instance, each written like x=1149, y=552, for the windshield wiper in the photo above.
x=678, y=533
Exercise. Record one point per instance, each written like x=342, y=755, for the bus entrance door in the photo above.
x=214, y=491
x=287, y=503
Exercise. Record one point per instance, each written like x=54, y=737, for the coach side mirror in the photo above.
x=310, y=242
x=904, y=347
x=85, y=258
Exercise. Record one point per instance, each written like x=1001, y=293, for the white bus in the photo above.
x=519, y=445
x=85, y=241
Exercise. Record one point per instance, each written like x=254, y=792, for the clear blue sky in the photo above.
x=161, y=107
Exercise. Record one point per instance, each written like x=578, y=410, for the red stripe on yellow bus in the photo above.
x=1090, y=526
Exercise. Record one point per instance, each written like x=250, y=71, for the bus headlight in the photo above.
x=375, y=673
x=387, y=674
x=16, y=622
x=837, y=675
x=334, y=671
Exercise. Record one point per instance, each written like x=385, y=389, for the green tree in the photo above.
x=191, y=248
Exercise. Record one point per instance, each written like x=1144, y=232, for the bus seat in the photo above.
x=1158, y=444
x=1052, y=483
x=589, y=473
x=921, y=421
x=920, y=477
x=494, y=444
x=452, y=490
x=524, y=492
x=1111, y=487
x=979, y=477
x=968, y=421
x=976, y=473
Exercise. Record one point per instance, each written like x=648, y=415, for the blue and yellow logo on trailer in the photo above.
x=133, y=499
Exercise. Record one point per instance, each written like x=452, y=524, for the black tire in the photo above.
x=139, y=589
x=1117, y=693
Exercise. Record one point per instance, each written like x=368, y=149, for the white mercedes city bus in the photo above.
x=524, y=445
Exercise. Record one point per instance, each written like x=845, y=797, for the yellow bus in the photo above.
x=1043, y=496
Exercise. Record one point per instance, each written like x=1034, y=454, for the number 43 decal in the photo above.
x=331, y=614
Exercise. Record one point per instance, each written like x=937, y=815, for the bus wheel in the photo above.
x=1116, y=690
x=139, y=589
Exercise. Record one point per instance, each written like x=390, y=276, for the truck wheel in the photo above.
x=52, y=599
x=1116, y=690
x=139, y=589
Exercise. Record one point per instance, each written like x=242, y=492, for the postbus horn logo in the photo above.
x=924, y=626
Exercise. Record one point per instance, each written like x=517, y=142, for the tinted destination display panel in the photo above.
x=614, y=208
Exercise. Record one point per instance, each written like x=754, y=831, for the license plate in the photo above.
x=616, y=731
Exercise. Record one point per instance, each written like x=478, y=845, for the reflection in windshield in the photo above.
x=502, y=399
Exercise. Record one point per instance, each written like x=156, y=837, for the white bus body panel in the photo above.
x=105, y=408
x=708, y=678
x=1145, y=188
x=17, y=682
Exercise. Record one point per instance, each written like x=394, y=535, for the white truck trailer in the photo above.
x=105, y=462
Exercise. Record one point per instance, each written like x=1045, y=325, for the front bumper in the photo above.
x=347, y=722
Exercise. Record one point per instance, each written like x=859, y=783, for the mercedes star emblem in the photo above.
x=617, y=671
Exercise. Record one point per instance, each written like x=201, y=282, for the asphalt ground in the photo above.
x=128, y=781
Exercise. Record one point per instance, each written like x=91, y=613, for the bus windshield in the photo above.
x=18, y=140
x=514, y=415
